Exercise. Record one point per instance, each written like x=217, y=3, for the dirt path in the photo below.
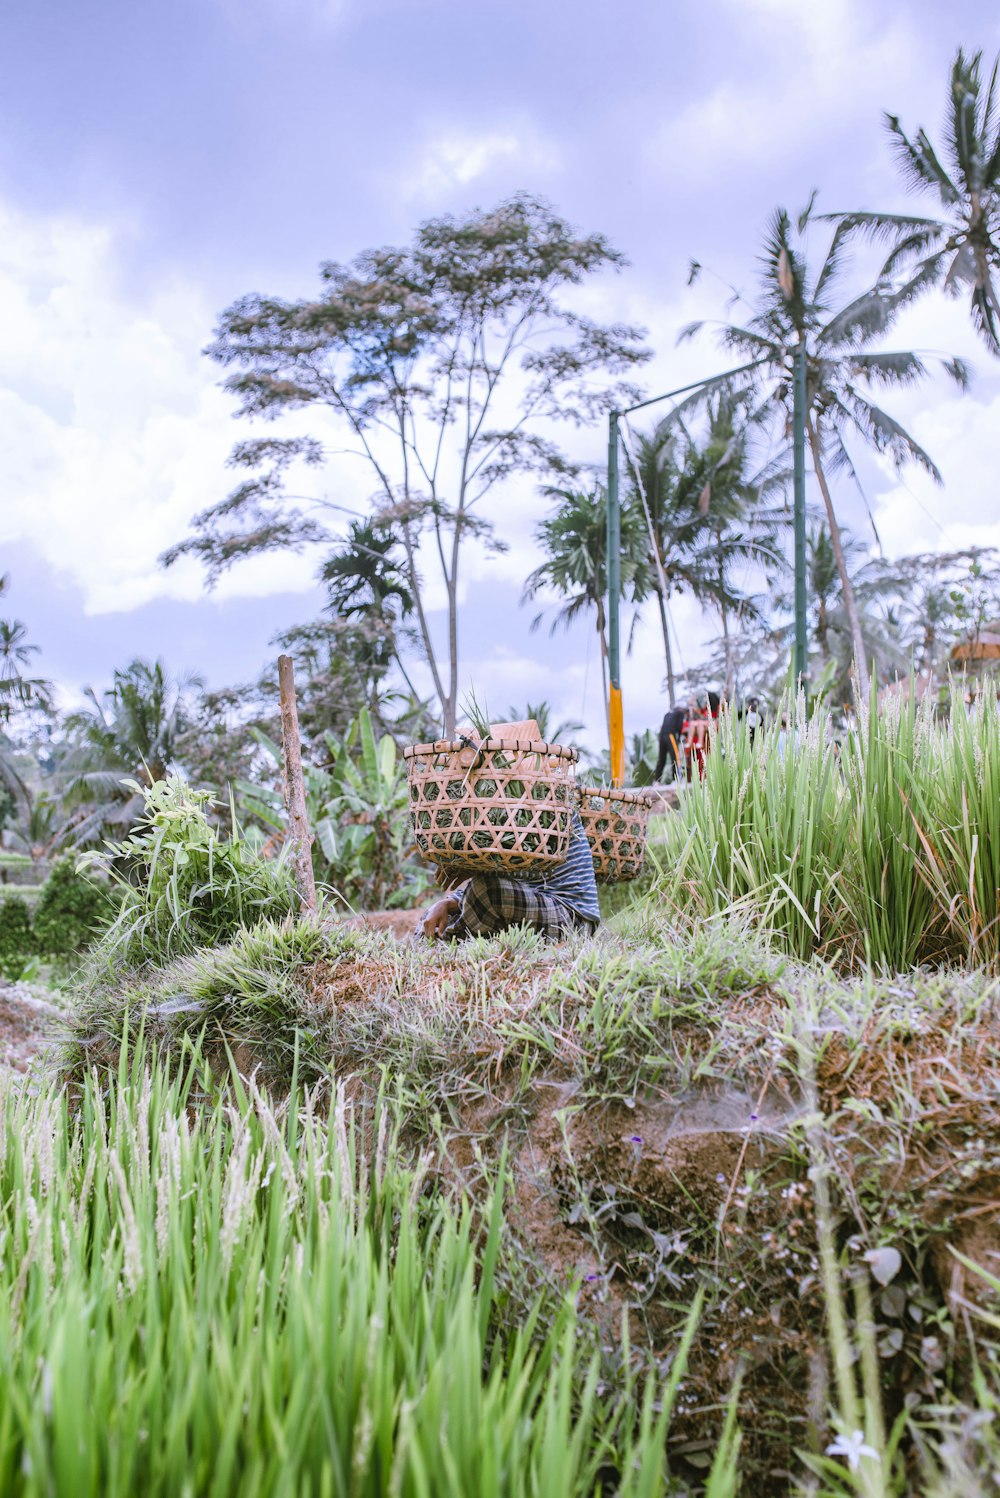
x=29, y=1025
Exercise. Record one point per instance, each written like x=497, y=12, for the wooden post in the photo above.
x=293, y=785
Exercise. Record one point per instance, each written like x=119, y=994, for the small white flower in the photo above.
x=852, y=1447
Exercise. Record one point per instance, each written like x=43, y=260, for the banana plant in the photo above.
x=357, y=803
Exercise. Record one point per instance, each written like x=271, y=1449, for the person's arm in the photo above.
x=441, y=914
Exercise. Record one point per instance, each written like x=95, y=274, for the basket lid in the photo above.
x=522, y=746
x=637, y=797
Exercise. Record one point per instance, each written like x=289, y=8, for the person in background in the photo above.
x=752, y=719
x=671, y=741
x=700, y=731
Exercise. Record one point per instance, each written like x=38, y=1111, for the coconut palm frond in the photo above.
x=887, y=369
x=886, y=434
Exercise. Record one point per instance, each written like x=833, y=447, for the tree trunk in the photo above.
x=850, y=603
x=293, y=784
x=667, y=653
x=823, y=632
x=413, y=578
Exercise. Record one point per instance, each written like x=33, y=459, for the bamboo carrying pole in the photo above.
x=293, y=784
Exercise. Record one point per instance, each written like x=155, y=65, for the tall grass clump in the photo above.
x=883, y=849
x=183, y=885
x=237, y=1300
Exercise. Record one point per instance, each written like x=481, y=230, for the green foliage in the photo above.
x=358, y=805
x=70, y=911
x=961, y=248
x=253, y=1303
x=182, y=884
x=886, y=850
x=16, y=941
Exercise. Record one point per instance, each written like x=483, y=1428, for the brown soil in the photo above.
x=398, y=923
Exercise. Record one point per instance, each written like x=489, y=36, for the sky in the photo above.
x=156, y=162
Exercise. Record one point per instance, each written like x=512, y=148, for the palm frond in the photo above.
x=887, y=369
x=964, y=140
x=919, y=164
x=984, y=315
x=886, y=434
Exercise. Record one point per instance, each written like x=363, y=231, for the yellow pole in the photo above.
x=617, y=737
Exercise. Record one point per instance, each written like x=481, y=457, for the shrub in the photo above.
x=70, y=911
x=182, y=885
x=16, y=942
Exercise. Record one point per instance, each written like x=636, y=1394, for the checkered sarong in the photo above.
x=492, y=902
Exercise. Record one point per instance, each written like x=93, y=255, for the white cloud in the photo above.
x=113, y=428
x=808, y=60
x=452, y=158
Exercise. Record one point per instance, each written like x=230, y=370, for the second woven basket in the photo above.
x=615, y=823
x=500, y=804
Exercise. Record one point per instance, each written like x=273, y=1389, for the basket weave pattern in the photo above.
x=615, y=823
x=504, y=804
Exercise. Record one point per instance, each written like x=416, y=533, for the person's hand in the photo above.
x=441, y=915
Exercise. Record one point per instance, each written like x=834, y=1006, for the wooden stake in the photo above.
x=293, y=786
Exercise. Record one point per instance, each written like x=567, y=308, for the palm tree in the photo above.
x=36, y=829
x=575, y=540
x=797, y=310
x=710, y=516
x=961, y=248
x=17, y=689
x=831, y=629
x=365, y=583
x=130, y=732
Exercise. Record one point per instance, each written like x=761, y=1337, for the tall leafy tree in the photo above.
x=959, y=247
x=445, y=362
x=941, y=598
x=799, y=307
x=574, y=539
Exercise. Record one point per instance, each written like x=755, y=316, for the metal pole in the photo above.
x=614, y=560
x=800, y=661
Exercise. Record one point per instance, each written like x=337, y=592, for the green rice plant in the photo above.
x=885, y=897
x=241, y=1300
x=956, y=810
x=883, y=849
x=762, y=833
x=183, y=885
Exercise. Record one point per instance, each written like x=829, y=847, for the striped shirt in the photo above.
x=573, y=883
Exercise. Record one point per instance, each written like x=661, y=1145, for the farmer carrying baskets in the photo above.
x=516, y=842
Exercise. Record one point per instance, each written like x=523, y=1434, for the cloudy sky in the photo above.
x=158, y=161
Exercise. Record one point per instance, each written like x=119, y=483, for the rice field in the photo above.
x=706, y=1204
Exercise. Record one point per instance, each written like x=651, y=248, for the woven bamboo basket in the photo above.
x=500, y=804
x=615, y=823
